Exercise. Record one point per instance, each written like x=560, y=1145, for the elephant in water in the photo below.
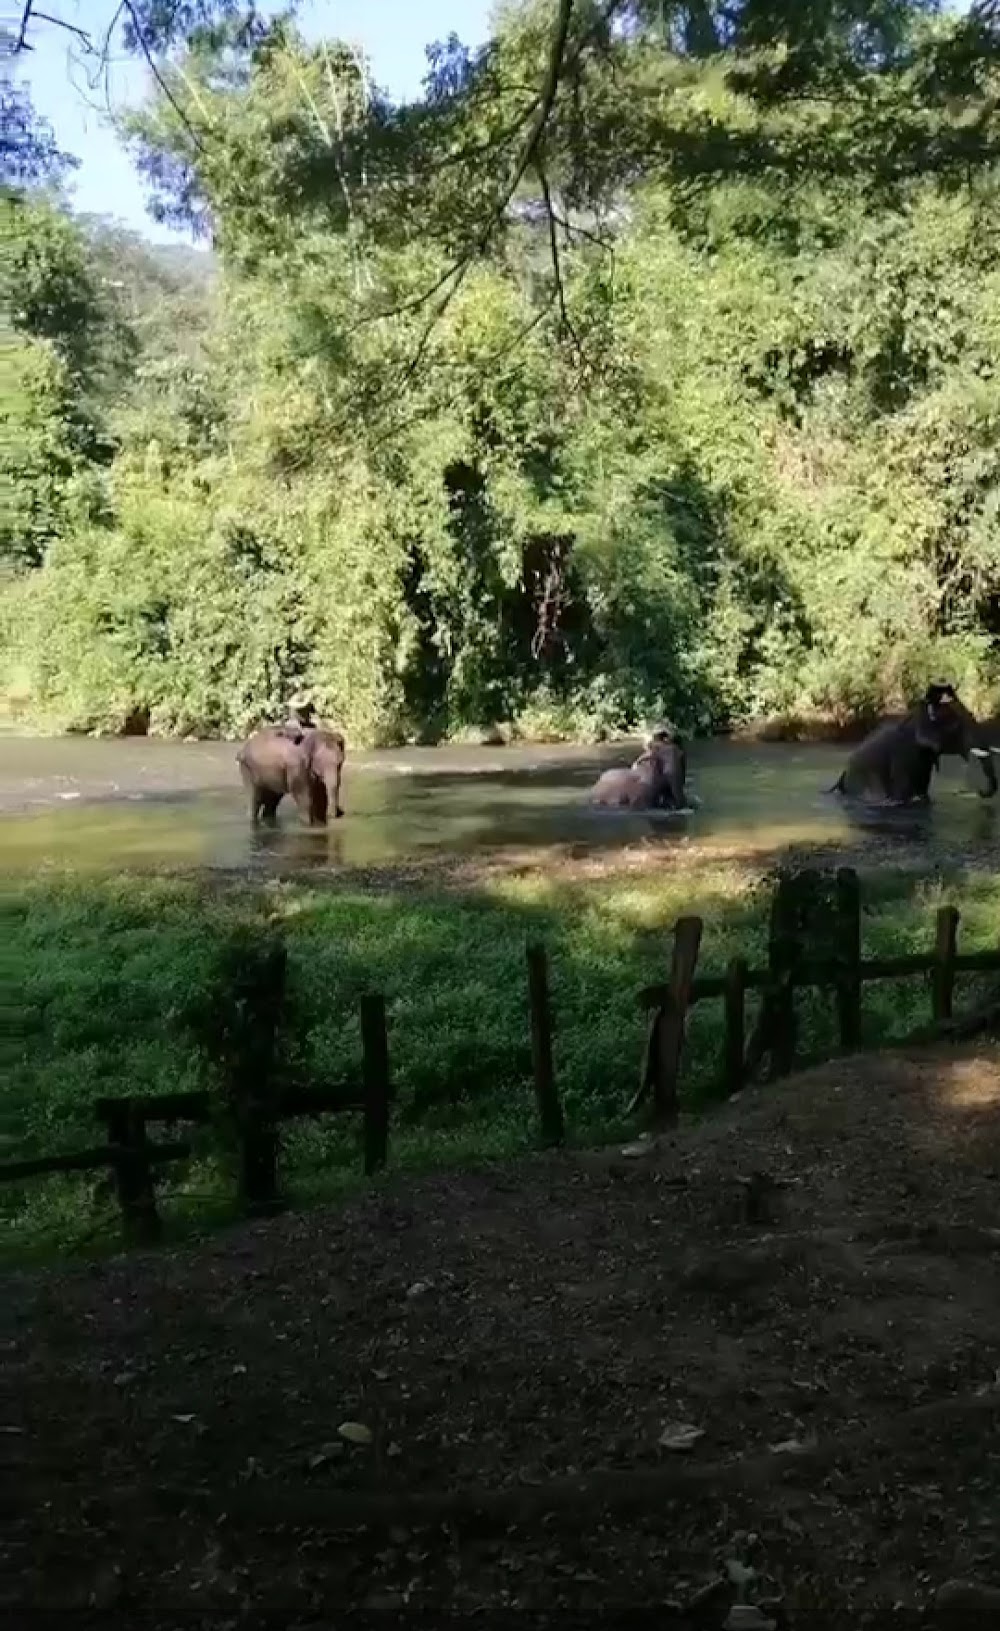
x=273, y=762
x=895, y=763
x=654, y=782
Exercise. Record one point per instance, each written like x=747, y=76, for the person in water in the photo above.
x=663, y=732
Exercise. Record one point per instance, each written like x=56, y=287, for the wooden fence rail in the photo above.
x=104, y=1155
x=253, y=1105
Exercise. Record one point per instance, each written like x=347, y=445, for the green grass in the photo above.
x=102, y=974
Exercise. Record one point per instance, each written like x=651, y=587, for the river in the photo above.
x=112, y=803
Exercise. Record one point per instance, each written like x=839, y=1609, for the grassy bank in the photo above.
x=103, y=975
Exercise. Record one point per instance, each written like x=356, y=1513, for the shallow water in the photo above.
x=105, y=804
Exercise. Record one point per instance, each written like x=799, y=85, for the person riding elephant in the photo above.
x=272, y=763
x=664, y=731
x=654, y=782
x=301, y=717
x=896, y=762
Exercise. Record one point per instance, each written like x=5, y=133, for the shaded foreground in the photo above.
x=549, y=1321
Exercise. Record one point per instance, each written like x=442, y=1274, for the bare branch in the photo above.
x=362, y=271
x=59, y=22
x=560, y=288
x=485, y=149
x=456, y=273
x=573, y=230
x=161, y=82
x=22, y=32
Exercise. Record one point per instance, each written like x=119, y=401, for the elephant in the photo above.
x=654, y=782
x=895, y=763
x=272, y=763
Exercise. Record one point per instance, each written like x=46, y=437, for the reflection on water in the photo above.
x=109, y=804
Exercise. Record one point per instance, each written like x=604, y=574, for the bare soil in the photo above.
x=514, y=1346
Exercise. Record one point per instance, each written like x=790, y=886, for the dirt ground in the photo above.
x=592, y=1390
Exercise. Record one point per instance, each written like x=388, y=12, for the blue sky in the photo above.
x=392, y=32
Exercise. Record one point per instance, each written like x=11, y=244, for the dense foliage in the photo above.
x=670, y=382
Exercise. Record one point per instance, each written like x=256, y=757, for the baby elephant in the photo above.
x=654, y=782
x=272, y=764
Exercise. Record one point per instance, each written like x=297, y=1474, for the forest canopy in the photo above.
x=649, y=362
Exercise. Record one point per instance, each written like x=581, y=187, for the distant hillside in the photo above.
x=164, y=293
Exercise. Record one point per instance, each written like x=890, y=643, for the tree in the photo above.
x=54, y=329
x=611, y=377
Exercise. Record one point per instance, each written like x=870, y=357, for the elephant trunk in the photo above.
x=984, y=759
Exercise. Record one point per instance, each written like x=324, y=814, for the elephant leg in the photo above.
x=883, y=782
x=300, y=787
x=263, y=801
x=921, y=786
x=266, y=805
x=319, y=803
x=911, y=777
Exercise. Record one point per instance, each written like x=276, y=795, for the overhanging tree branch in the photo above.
x=560, y=287
x=161, y=82
x=22, y=33
x=539, y=117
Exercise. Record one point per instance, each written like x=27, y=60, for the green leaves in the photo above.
x=700, y=419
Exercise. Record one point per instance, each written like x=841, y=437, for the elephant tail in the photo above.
x=839, y=785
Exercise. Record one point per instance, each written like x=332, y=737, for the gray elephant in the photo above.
x=272, y=763
x=895, y=763
x=654, y=782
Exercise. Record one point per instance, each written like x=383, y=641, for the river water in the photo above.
x=106, y=804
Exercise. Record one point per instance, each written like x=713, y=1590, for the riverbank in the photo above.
x=574, y=1390
x=830, y=726
x=104, y=971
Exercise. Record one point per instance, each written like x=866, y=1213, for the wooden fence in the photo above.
x=252, y=1104
x=792, y=965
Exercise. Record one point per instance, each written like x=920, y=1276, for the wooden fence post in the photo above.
x=377, y=1085
x=667, y=1040
x=253, y=1082
x=734, y=999
x=126, y=1130
x=849, y=957
x=943, y=978
x=784, y=952
x=550, y=1113
x=256, y=1110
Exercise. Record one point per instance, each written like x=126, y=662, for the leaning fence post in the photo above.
x=734, y=999
x=849, y=957
x=126, y=1131
x=667, y=1040
x=945, y=945
x=375, y=1076
x=550, y=1113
